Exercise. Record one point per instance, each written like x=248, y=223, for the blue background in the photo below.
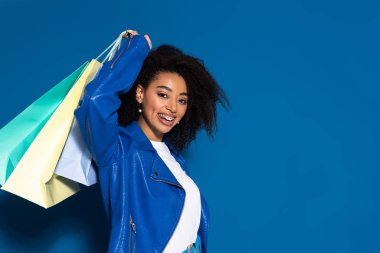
x=294, y=166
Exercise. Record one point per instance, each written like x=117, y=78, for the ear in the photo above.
x=139, y=93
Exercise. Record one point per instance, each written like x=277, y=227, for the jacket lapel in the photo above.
x=159, y=170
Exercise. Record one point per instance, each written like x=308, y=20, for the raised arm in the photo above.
x=97, y=110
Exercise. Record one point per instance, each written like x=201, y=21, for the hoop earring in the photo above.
x=140, y=110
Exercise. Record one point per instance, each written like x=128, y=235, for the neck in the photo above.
x=148, y=130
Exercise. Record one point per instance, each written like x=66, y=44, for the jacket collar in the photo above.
x=159, y=170
x=142, y=140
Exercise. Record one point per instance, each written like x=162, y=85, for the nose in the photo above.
x=171, y=105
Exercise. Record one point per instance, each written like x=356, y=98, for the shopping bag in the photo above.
x=19, y=133
x=33, y=178
x=75, y=161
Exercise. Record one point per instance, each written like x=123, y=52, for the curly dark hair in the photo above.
x=203, y=92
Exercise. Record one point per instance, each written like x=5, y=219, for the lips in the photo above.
x=166, y=119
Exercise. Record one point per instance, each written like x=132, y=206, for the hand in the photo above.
x=133, y=32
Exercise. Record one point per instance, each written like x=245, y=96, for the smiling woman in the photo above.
x=143, y=108
x=164, y=103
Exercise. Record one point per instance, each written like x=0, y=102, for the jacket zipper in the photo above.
x=181, y=208
x=132, y=233
x=180, y=186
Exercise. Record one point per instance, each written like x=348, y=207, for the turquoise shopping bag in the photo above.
x=19, y=133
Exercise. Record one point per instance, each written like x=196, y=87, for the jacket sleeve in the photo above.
x=97, y=110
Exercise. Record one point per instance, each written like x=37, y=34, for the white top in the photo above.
x=186, y=230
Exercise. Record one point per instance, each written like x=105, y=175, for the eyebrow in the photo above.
x=168, y=89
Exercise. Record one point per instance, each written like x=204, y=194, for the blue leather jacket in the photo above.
x=142, y=198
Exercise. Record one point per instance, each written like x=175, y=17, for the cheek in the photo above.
x=154, y=105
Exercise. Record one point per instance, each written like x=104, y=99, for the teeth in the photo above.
x=165, y=117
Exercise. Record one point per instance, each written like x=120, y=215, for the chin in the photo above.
x=164, y=129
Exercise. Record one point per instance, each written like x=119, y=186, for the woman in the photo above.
x=143, y=108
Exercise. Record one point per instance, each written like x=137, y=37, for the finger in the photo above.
x=149, y=41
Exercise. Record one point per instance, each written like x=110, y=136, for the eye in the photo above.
x=163, y=95
x=183, y=101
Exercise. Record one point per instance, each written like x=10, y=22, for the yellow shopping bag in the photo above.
x=34, y=178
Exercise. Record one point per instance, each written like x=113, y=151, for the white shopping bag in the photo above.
x=75, y=161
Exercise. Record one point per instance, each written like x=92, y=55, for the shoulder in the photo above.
x=133, y=146
x=127, y=143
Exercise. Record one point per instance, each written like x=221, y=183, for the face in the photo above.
x=163, y=104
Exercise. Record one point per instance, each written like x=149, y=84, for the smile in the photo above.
x=166, y=117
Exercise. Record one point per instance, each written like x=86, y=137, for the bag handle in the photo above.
x=115, y=45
